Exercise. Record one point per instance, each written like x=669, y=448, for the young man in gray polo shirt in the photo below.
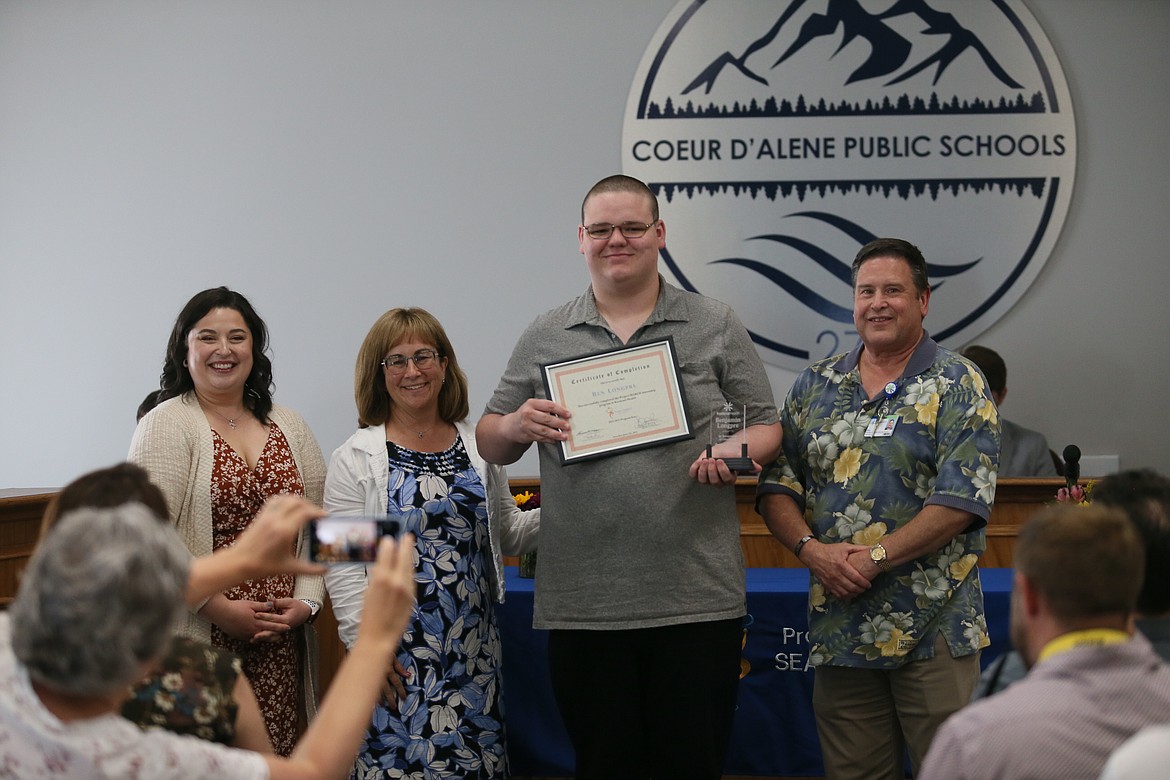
x=640, y=576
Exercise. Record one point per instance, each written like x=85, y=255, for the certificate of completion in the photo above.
x=621, y=399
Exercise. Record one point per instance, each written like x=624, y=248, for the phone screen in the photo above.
x=348, y=539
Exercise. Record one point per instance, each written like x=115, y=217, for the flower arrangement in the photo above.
x=1075, y=494
x=527, y=500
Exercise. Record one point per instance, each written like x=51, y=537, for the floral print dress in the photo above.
x=237, y=493
x=450, y=725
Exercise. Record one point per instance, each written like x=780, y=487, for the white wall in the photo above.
x=334, y=159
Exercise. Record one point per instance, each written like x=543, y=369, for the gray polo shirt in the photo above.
x=630, y=540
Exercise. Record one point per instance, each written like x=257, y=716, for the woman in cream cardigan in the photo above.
x=217, y=446
x=415, y=459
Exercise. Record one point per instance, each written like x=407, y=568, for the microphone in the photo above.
x=1072, y=465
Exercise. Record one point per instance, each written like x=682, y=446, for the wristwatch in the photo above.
x=877, y=554
x=800, y=545
x=314, y=608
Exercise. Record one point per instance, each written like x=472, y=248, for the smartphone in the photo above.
x=349, y=539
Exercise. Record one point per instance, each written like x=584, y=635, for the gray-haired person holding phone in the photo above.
x=64, y=673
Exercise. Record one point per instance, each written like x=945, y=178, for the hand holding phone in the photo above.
x=349, y=539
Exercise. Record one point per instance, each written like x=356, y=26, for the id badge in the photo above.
x=885, y=427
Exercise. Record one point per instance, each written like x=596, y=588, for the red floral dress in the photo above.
x=237, y=493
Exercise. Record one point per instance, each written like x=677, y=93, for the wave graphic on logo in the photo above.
x=801, y=293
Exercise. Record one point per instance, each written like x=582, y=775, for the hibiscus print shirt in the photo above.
x=944, y=449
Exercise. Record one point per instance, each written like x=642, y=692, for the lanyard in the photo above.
x=1092, y=637
x=882, y=424
x=891, y=390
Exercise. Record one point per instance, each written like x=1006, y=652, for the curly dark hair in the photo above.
x=175, y=379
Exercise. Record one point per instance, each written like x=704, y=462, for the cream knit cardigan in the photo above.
x=174, y=444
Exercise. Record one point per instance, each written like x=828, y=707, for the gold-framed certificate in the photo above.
x=621, y=399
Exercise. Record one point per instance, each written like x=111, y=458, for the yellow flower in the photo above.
x=792, y=483
x=816, y=597
x=927, y=409
x=523, y=498
x=976, y=381
x=986, y=410
x=962, y=567
x=894, y=645
x=847, y=465
x=870, y=535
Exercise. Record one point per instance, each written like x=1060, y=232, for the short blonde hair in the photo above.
x=369, y=381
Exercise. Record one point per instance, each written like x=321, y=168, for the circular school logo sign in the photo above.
x=782, y=136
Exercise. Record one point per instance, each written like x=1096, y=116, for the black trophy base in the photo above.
x=740, y=465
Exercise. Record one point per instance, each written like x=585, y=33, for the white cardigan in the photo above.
x=356, y=484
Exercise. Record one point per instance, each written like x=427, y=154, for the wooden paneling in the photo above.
x=1015, y=501
x=20, y=524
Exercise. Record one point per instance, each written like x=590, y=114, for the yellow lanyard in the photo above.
x=1092, y=637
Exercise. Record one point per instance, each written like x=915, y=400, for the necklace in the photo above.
x=421, y=434
x=231, y=421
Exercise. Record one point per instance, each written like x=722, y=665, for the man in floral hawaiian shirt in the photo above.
x=883, y=489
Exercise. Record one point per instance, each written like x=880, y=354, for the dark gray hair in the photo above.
x=895, y=247
x=99, y=598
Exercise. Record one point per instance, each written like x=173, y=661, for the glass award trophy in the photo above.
x=730, y=422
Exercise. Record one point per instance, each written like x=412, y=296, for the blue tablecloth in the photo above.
x=774, y=732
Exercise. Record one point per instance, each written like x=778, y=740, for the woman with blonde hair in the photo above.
x=414, y=458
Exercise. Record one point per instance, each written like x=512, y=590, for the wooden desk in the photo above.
x=20, y=525
x=1015, y=501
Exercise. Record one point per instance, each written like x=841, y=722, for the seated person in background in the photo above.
x=196, y=688
x=95, y=610
x=1144, y=496
x=1091, y=685
x=1022, y=452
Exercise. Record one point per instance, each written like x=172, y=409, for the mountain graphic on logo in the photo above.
x=782, y=136
x=889, y=50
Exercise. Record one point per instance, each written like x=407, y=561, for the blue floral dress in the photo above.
x=451, y=723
